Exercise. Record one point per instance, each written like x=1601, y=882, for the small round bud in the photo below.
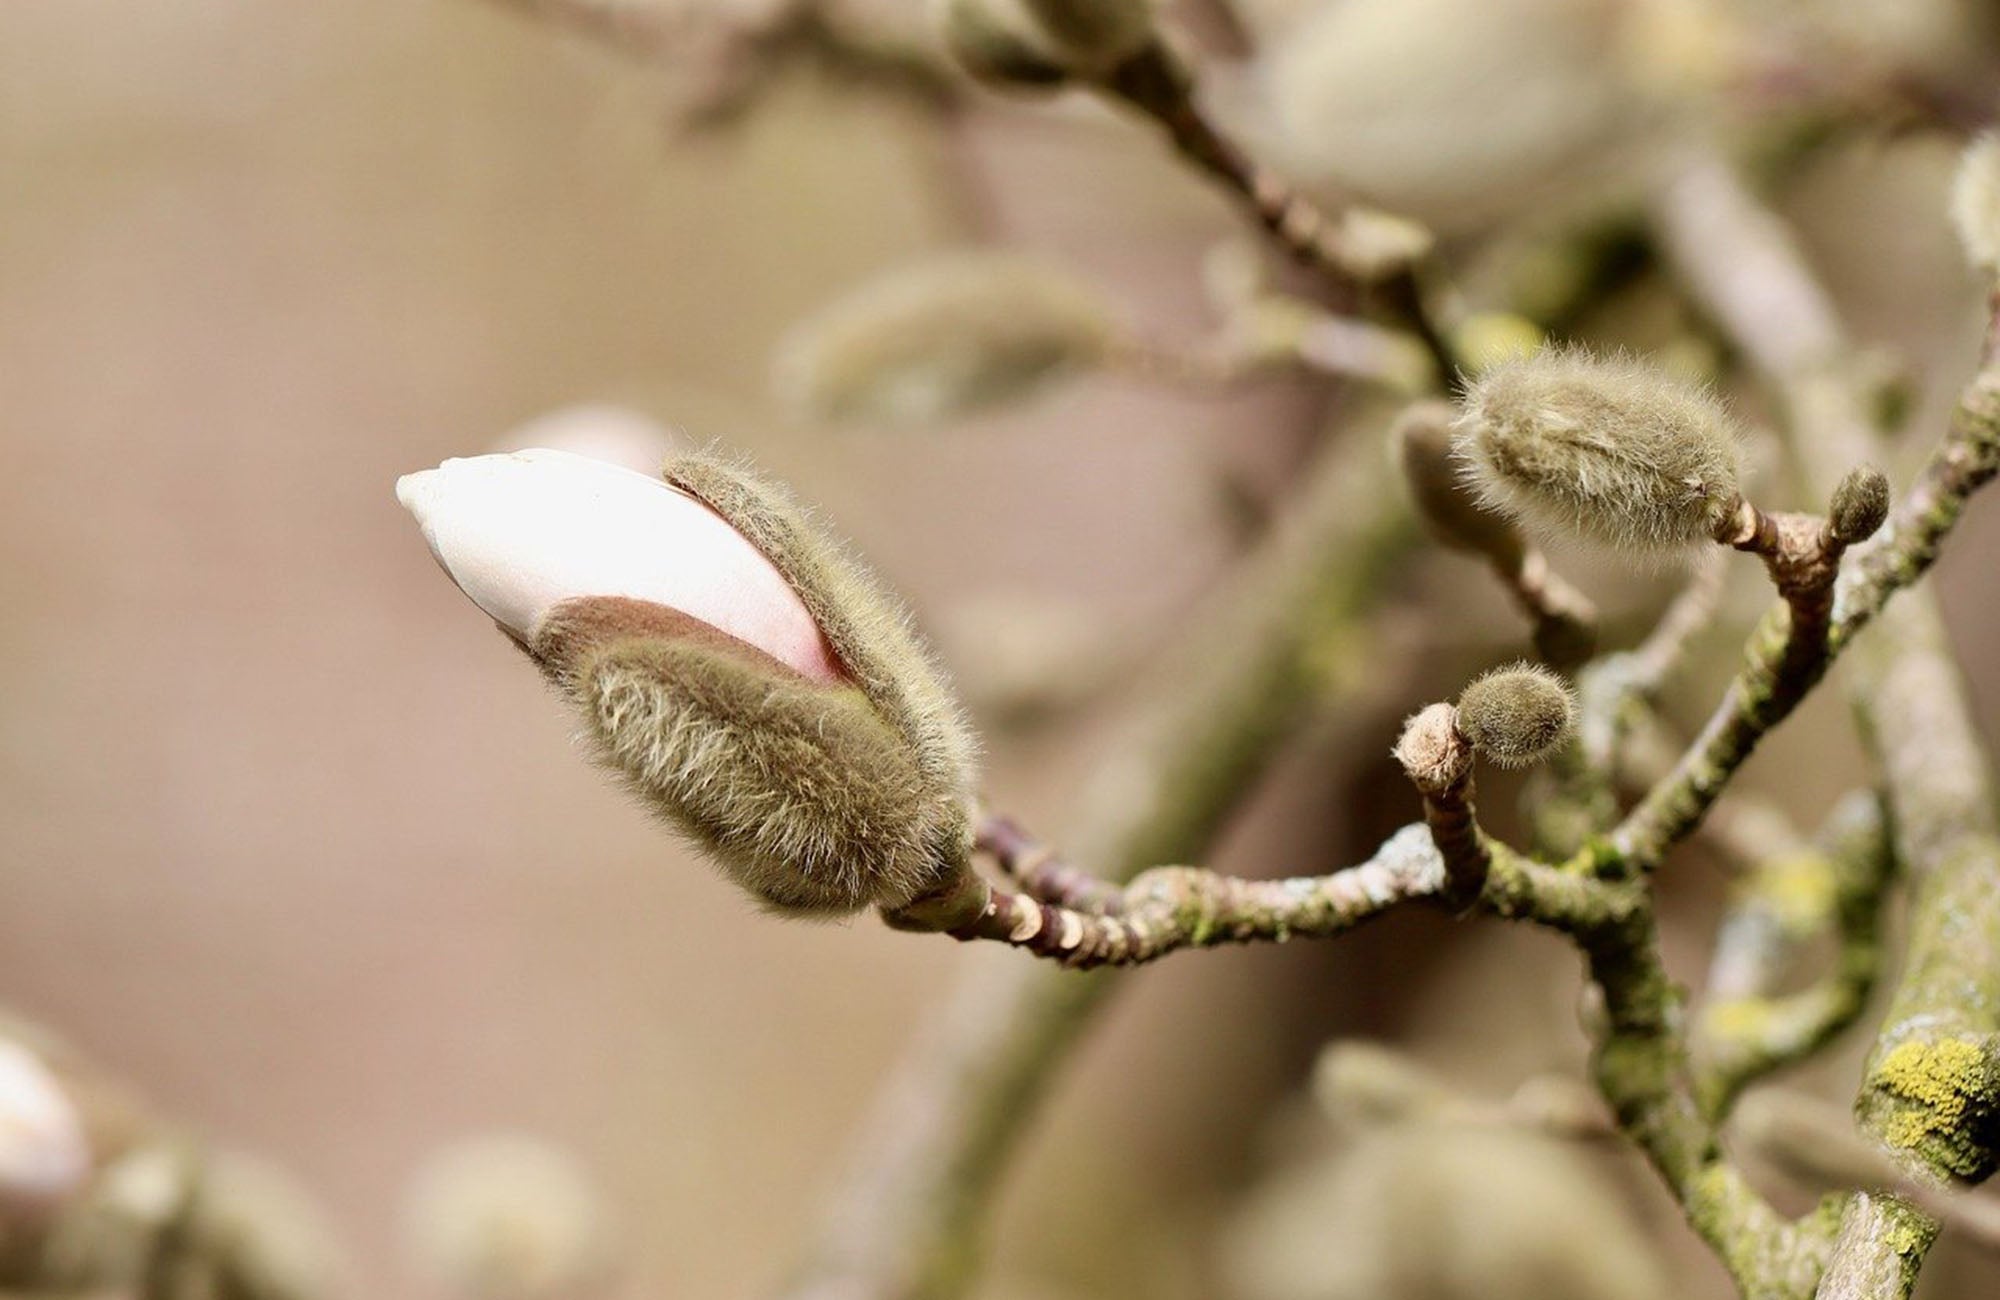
x=944, y=337
x=1422, y=442
x=1434, y=753
x=1604, y=449
x=507, y=1218
x=1517, y=715
x=998, y=44
x=1860, y=505
x=1975, y=202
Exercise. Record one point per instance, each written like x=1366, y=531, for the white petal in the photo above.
x=43, y=1152
x=523, y=531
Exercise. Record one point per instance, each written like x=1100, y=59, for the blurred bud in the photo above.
x=998, y=44
x=1975, y=202
x=1234, y=274
x=507, y=1218
x=1517, y=715
x=1030, y=44
x=1461, y=113
x=1433, y=752
x=941, y=338
x=1446, y=1212
x=1860, y=505
x=1604, y=449
x=745, y=676
x=1371, y=1082
x=1486, y=339
x=1422, y=438
x=256, y=1234
x=44, y=1154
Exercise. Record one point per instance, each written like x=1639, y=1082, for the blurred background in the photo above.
x=297, y=846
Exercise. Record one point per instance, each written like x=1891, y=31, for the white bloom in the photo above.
x=524, y=531
x=44, y=1155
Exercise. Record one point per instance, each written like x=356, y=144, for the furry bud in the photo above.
x=1860, y=505
x=1604, y=449
x=507, y=1218
x=944, y=337
x=744, y=675
x=1975, y=202
x=1517, y=715
x=1422, y=441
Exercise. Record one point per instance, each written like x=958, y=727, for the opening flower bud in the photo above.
x=1517, y=715
x=1607, y=450
x=944, y=337
x=743, y=675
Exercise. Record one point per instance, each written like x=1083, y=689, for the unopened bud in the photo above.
x=507, y=1218
x=1434, y=753
x=941, y=338
x=999, y=45
x=743, y=674
x=1975, y=202
x=1422, y=439
x=1860, y=505
x=1603, y=449
x=1517, y=715
x=44, y=1153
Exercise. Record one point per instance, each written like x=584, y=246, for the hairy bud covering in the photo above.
x=940, y=338
x=1517, y=715
x=1975, y=202
x=1608, y=450
x=1422, y=441
x=1860, y=505
x=732, y=663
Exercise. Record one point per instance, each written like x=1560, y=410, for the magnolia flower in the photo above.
x=44, y=1154
x=522, y=532
x=747, y=678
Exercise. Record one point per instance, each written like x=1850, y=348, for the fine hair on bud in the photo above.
x=1975, y=202
x=1601, y=449
x=946, y=336
x=872, y=635
x=1421, y=440
x=1517, y=715
x=1432, y=750
x=1860, y=505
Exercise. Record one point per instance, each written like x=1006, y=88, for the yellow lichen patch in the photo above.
x=1739, y=1019
x=1944, y=1099
x=1800, y=890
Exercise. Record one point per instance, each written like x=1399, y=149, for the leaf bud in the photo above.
x=1422, y=441
x=1607, y=450
x=1517, y=715
x=944, y=337
x=1433, y=752
x=1860, y=505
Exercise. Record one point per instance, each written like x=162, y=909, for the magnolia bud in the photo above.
x=44, y=1153
x=1975, y=202
x=940, y=338
x=742, y=674
x=1860, y=505
x=1517, y=715
x=1422, y=440
x=1432, y=750
x=1095, y=35
x=999, y=45
x=507, y=1218
x=1604, y=449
